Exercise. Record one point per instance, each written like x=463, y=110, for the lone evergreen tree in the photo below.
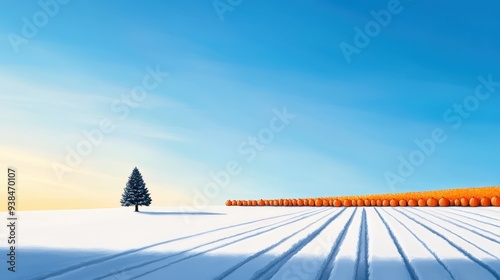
x=135, y=193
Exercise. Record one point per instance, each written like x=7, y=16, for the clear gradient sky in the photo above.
x=356, y=119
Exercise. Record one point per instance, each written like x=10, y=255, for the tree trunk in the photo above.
x=136, y=208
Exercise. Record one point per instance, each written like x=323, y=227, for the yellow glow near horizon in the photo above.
x=37, y=186
x=29, y=200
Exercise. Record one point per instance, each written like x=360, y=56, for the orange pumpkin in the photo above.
x=485, y=201
x=403, y=203
x=422, y=202
x=495, y=201
x=432, y=202
x=464, y=201
x=337, y=203
x=311, y=202
x=474, y=202
x=444, y=202
x=318, y=202
x=412, y=203
x=347, y=203
x=394, y=203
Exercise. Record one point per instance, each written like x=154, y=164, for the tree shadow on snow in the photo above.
x=179, y=213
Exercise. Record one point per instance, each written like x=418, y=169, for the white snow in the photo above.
x=415, y=250
x=252, y=242
x=309, y=259
x=384, y=258
x=459, y=264
x=345, y=262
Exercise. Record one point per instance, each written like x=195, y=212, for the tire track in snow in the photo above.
x=450, y=220
x=141, y=265
x=463, y=251
x=327, y=266
x=362, y=259
x=98, y=261
x=475, y=214
x=256, y=255
x=423, y=244
x=409, y=268
x=453, y=233
x=271, y=269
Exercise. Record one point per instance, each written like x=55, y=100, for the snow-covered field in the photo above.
x=257, y=243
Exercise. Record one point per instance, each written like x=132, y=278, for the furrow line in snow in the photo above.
x=362, y=258
x=327, y=266
x=459, y=248
x=100, y=260
x=141, y=265
x=495, y=210
x=410, y=269
x=268, y=271
x=461, y=214
x=421, y=242
x=256, y=255
x=471, y=221
x=453, y=233
x=470, y=228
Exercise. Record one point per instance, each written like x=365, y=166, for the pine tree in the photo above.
x=135, y=193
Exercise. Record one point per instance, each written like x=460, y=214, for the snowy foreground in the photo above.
x=258, y=243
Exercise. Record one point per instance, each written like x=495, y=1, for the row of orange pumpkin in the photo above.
x=432, y=202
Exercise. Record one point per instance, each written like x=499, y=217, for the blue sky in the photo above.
x=353, y=120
